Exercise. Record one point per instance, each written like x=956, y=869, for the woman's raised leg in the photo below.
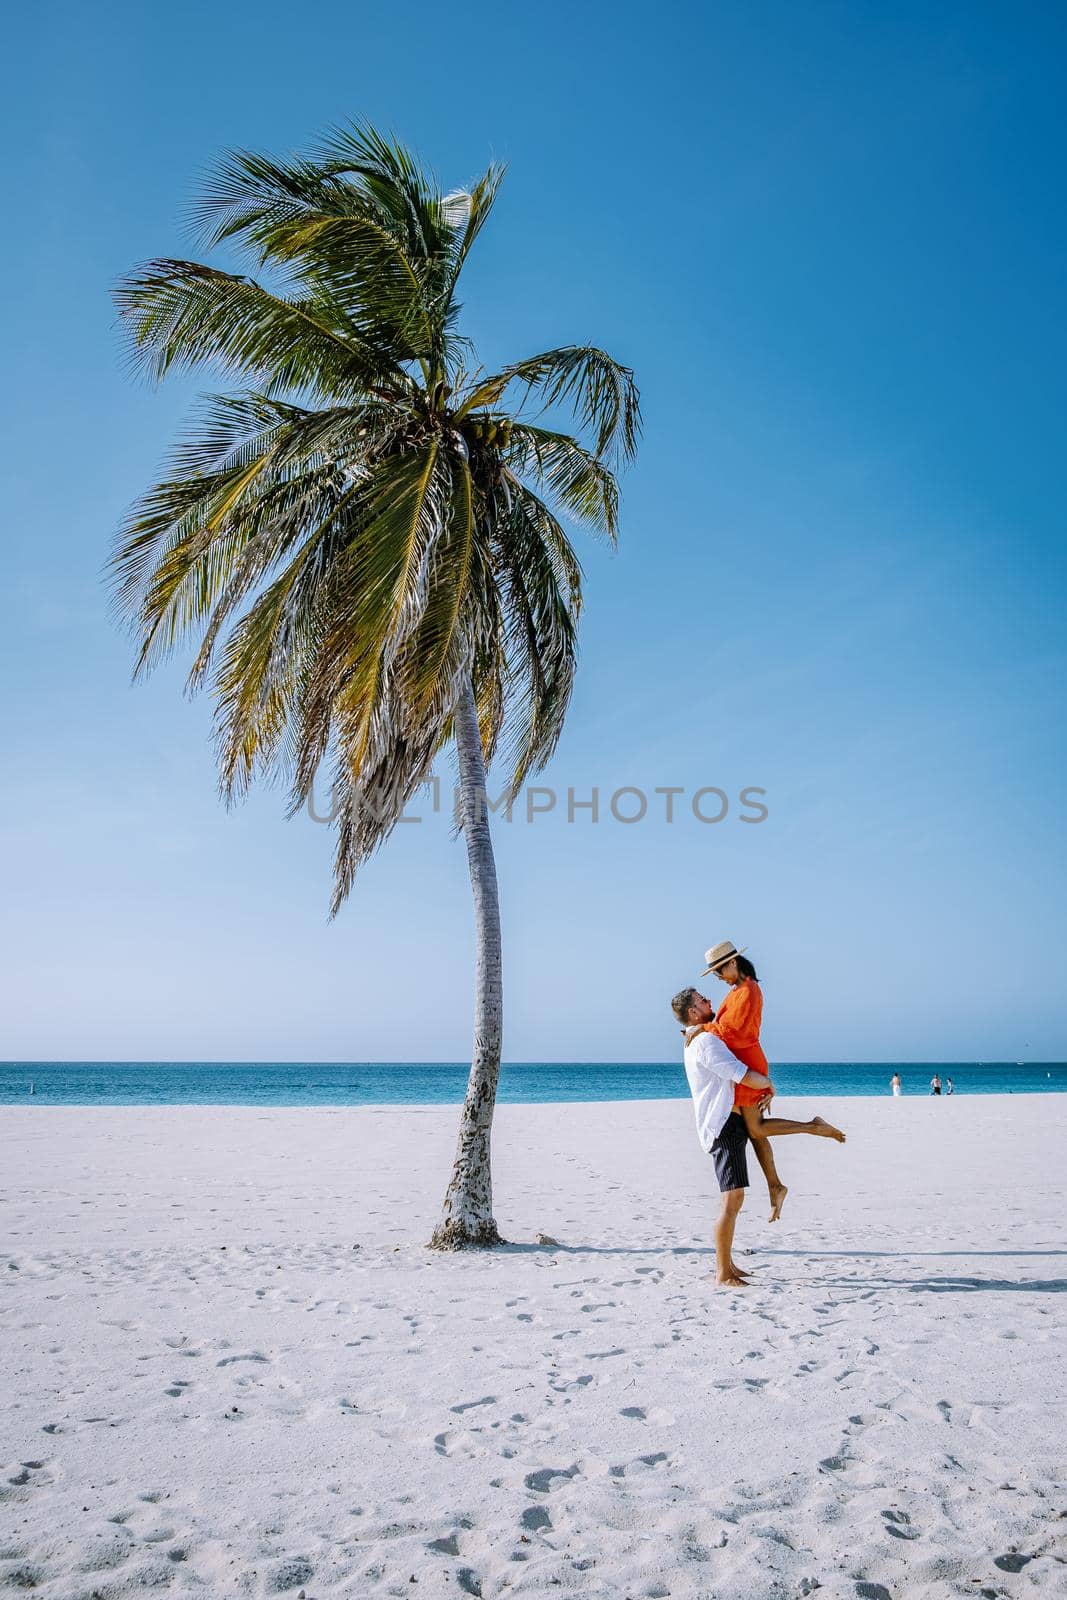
x=775, y=1127
x=776, y=1189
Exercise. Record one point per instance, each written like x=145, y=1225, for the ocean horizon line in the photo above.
x=543, y=1061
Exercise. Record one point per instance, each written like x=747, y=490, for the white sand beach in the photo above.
x=231, y=1367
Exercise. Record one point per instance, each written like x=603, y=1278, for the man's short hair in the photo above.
x=682, y=1001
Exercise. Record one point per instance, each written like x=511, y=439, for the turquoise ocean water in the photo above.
x=289, y=1083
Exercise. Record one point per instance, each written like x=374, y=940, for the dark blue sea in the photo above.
x=360, y=1083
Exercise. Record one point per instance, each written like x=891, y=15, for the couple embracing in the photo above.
x=729, y=1079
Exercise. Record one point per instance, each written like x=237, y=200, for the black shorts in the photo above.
x=729, y=1153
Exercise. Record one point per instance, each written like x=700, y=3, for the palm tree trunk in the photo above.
x=467, y=1219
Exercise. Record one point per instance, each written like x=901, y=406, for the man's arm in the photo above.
x=716, y=1057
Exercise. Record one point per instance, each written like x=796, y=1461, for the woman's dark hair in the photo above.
x=745, y=968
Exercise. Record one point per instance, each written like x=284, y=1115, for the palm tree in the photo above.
x=365, y=543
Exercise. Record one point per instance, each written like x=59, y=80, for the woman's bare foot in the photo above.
x=778, y=1194
x=730, y=1280
x=826, y=1130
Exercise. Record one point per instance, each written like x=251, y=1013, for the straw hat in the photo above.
x=719, y=955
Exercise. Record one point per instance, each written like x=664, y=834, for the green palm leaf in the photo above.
x=579, y=483
x=179, y=313
x=603, y=393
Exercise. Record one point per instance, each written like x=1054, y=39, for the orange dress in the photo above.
x=737, y=1024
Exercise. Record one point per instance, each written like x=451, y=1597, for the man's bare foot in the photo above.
x=730, y=1280
x=826, y=1130
x=778, y=1194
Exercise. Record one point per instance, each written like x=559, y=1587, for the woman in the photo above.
x=896, y=1085
x=737, y=1024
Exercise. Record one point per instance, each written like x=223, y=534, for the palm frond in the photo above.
x=327, y=233
x=392, y=768
x=377, y=591
x=602, y=393
x=256, y=476
x=541, y=632
x=430, y=661
x=407, y=200
x=180, y=313
x=579, y=482
x=265, y=664
x=467, y=211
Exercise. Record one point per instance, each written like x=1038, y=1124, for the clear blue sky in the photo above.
x=830, y=239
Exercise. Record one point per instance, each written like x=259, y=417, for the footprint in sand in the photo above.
x=898, y=1524
x=289, y=1574
x=535, y=1519
x=656, y=1459
x=29, y=1475
x=452, y=1444
x=26, y=1575
x=566, y=1384
x=158, y=1535
x=541, y=1481
x=448, y=1546
x=107, y=1554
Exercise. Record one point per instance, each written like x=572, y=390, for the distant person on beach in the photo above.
x=948, y=1086
x=714, y=1074
x=895, y=1084
x=935, y=1084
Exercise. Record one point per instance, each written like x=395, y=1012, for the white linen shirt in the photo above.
x=712, y=1071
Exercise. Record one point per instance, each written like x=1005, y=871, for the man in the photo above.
x=712, y=1071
